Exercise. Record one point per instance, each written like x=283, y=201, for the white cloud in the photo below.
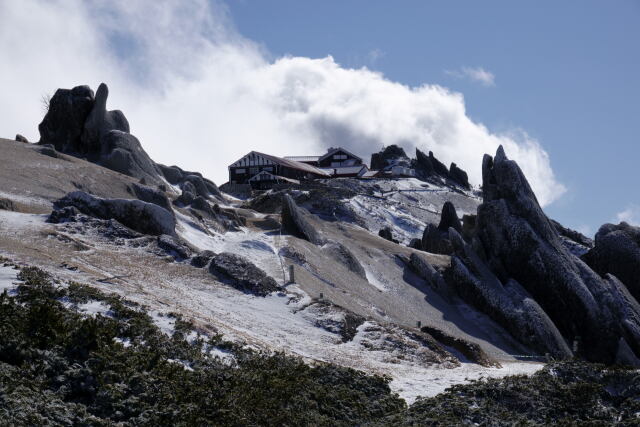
x=474, y=74
x=630, y=215
x=375, y=54
x=200, y=95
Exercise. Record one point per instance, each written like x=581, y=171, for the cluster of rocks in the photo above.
x=78, y=123
x=427, y=166
x=511, y=262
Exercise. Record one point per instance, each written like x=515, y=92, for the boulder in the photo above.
x=617, y=251
x=146, y=218
x=63, y=124
x=382, y=159
x=242, y=274
x=459, y=176
x=152, y=195
x=173, y=174
x=436, y=239
x=7, y=204
x=387, y=234
x=21, y=138
x=295, y=223
x=202, y=259
x=520, y=244
x=174, y=246
x=429, y=274
x=416, y=244
x=468, y=227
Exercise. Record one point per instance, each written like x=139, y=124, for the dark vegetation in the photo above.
x=59, y=367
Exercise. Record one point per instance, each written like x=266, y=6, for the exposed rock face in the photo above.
x=520, y=244
x=459, y=176
x=416, y=244
x=63, y=124
x=123, y=153
x=471, y=351
x=426, y=271
x=295, y=223
x=387, y=234
x=146, y=218
x=428, y=166
x=242, y=274
x=21, y=138
x=100, y=122
x=617, y=252
x=509, y=304
x=436, y=239
x=381, y=160
x=468, y=227
x=342, y=254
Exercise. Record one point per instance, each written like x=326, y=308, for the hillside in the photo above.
x=387, y=278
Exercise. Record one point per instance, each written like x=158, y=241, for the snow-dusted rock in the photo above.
x=146, y=218
x=202, y=259
x=100, y=121
x=152, y=195
x=617, y=251
x=242, y=274
x=295, y=223
x=508, y=304
x=174, y=246
x=436, y=239
x=520, y=243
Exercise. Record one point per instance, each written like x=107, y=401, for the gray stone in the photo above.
x=242, y=274
x=123, y=153
x=617, y=251
x=21, y=138
x=521, y=244
x=100, y=121
x=295, y=223
x=202, y=259
x=63, y=124
x=387, y=234
x=146, y=218
x=459, y=176
x=174, y=246
x=152, y=195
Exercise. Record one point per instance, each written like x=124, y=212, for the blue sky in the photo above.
x=565, y=72
x=202, y=82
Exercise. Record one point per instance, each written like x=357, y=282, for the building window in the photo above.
x=253, y=171
x=268, y=169
x=240, y=171
x=335, y=164
x=339, y=156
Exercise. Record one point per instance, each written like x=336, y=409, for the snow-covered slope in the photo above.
x=307, y=318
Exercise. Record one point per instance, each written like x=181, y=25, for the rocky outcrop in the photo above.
x=146, y=218
x=295, y=223
x=242, y=274
x=523, y=252
x=100, y=122
x=459, y=176
x=429, y=274
x=122, y=152
x=21, y=138
x=387, y=234
x=436, y=239
x=382, y=159
x=152, y=195
x=7, y=204
x=202, y=259
x=508, y=304
x=471, y=351
x=173, y=246
x=617, y=252
x=63, y=124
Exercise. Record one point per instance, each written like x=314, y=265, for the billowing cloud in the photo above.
x=474, y=74
x=200, y=95
x=630, y=215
